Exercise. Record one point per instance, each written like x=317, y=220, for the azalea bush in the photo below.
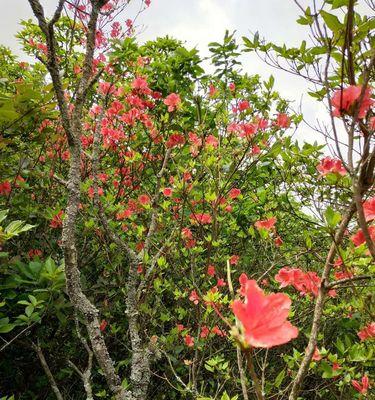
x=165, y=223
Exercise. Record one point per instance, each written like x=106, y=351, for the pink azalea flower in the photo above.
x=168, y=192
x=359, y=237
x=282, y=121
x=234, y=193
x=369, y=209
x=173, y=102
x=243, y=105
x=212, y=141
x=367, y=332
x=194, y=297
x=144, y=199
x=5, y=188
x=316, y=356
x=201, y=218
x=205, y=331
x=363, y=386
x=233, y=260
x=344, y=100
x=176, y=139
x=189, y=341
x=331, y=165
x=211, y=270
x=264, y=317
x=267, y=224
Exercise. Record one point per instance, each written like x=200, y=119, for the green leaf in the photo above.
x=331, y=21
x=340, y=346
x=7, y=328
x=327, y=370
x=3, y=215
x=332, y=217
x=339, y=3
x=303, y=21
x=279, y=379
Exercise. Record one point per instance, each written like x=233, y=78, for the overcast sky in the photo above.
x=198, y=22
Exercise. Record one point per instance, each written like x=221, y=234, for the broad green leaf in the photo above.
x=332, y=217
x=339, y=3
x=331, y=21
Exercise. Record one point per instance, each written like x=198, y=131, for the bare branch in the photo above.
x=347, y=280
x=155, y=205
x=47, y=371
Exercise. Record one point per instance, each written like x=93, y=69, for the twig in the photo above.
x=47, y=370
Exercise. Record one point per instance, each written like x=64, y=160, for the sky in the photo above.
x=199, y=22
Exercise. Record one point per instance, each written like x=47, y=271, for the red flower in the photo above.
x=173, y=102
x=267, y=224
x=243, y=105
x=186, y=176
x=330, y=165
x=282, y=121
x=367, y=332
x=247, y=130
x=287, y=276
x=106, y=88
x=180, y=327
x=369, y=209
x=233, y=260
x=263, y=317
x=204, y=331
x=359, y=237
x=144, y=199
x=278, y=241
x=91, y=192
x=194, y=297
x=343, y=101
x=211, y=270
x=316, y=356
x=186, y=233
x=232, y=87
x=124, y=214
x=103, y=325
x=212, y=91
x=141, y=85
x=35, y=253
x=243, y=280
x=5, y=188
x=217, y=331
x=221, y=282
x=343, y=275
x=168, y=191
x=304, y=282
x=361, y=387
x=212, y=141
x=201, y=218
x=255, y=150
x=56, y=221
x=189, y=341
x=176, y=139
x=336, y=366
x=234, y=193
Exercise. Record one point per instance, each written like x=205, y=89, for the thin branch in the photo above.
x=346, y=280
x=47, y=370
x=155, y=205
x=254, y=376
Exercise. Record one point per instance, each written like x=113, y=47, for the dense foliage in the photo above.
x=150, y=211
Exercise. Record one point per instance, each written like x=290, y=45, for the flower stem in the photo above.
x=250, y=364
